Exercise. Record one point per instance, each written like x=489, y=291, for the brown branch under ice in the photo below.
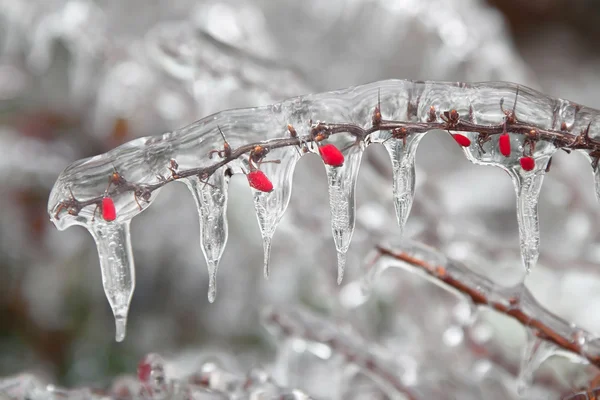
x=370, y=364
x=449, y=121
x=540, y=329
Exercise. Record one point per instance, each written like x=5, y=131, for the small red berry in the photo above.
x=504, y=144
x=109, y=213
x=331, y=155
x=144, y=370
x=527, y=163
x=259, y=181
x=462, y=140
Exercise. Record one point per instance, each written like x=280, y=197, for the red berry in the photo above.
x=109, y=213
x=331, y=155
x=144, y=370
x=259, y=181
x=504, y=144
x=527, y=163
x=462, y=140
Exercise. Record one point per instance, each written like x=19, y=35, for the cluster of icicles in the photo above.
x=105, y=192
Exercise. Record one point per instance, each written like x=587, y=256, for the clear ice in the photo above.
x=341, y=181
x=271, y=206
x=118, y=271
x=211, y=200
x=534, y=354
x=597, y=183
x=527, y=188
x=403, y=170
x=143, y=165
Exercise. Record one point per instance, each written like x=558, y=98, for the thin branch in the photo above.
x=448, y=120
x=540, y=329
x=352, y=354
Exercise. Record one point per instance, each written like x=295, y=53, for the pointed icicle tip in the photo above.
x=121, y=327
x=212, y=283
x=527, y=163
x=504, y=144
x=462, y=140
x=331, y=155
x=267, y=256
x=341, y=266
x=259, y=181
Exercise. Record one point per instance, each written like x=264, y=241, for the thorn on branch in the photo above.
x=173, y=167
x=510, y=115
x=432, y=116
x=143, y=193
x=451, y=118
x=72, y=205
x=377, y=118
x=294, y=135
x=257, y=155
x=226, y=152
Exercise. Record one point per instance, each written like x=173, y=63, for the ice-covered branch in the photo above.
x=500, y=124
x=523, y=307
x=354, y=349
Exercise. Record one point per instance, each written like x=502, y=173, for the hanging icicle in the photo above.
x=341, y=181
x=270, y=206
x=210, y=196
x=118, y=272
x=402, y=153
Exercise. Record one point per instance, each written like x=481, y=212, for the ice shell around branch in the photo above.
x=534, y=354
x=211, y=201
x=342, y=181
x=270, y=206
x=118, y=271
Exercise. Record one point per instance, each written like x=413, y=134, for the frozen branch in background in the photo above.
x=328, y=339
x=548, y=332
x=245, y=140
x=205, y=378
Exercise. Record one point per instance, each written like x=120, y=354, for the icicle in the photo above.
x=270, y=206
x=118, y=273
x=341, y=182
x=597, y=182
x=211, y=201
x=402, y=155
x=527, y=188
x=536, y=351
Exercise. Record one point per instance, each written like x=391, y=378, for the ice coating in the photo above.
x=436, y=267
x=325, y=338
x=118, y=271
x=536, y=351
x=132, y=174
x=211, y=200
x=342, y=181
x=486, y=151
x=403, y=170
x=527, y=187
x=270, y=206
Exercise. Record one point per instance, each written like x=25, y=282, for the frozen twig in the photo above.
x=352, y=347
x=510, y=306
x=265, y=143
x=449, y=120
